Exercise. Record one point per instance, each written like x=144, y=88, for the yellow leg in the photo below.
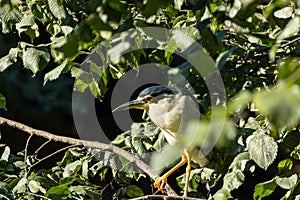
x=161, y=181
x=188, y=173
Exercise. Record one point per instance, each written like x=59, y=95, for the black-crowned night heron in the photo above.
x=171, y=109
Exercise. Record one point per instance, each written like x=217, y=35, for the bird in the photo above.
x=170, y=108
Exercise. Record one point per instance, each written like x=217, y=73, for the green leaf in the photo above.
x=287, y=182
x=21, y=186
x=178, y=4
x=153, y=6
x=291, y=29
x=222, y=194
x=28, y=26
x=134, y=191
x=58, y=192
x=72, y=168
x=264, y=189
x=285, y=165
x=289, y=70
x=262, y=148
x=5, y=155
x=39, y=12
x=233, y=180
x=53, y=29
x=9, y=59
x=65, y=47
x=222, y=58
x=35, y=187
x=2, y=101
x=284, y=13
x=55, y=73
x=9, y=16
x=35, y=58
x=280, y=104
x=240, y=101
x=85, y=169
x=57, y=9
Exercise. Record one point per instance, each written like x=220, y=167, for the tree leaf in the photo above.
x=284, y=13
x=280, y=104
x=134, y=191
x=35, y=58
x=262, y=148
x=287, y=182
x=58, y=192
x=9, y=16
x=292, y=28
x=9, y=59
x=57, y=9
x=35, y=187
x=221, y=60
x=21, y=186
x=222, y=194
x=264, y=189
x=72, y=168
x=233, y=180
x=55, y=73
x=28, y=26
x=6, y=154
x=2, y=101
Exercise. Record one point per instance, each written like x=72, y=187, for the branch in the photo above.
x=91, y=144
x=164, y=197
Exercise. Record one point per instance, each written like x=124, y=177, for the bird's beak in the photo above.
x=138, y=104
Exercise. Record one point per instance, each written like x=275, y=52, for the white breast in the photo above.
x=173, y=114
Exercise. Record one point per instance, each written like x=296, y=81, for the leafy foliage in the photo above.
x=256, y=48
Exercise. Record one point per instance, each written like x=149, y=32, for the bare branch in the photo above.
x=164, y=197
x=89, y=144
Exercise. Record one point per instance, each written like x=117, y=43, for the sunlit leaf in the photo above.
x=292, y=28
x=21, y=186
x=55, y=73
x=280, y=104
x=287, y=182
x=35, y=186
x=221, y=60
x=35, y=58
x=264, y=189
x=284, y=13
x=262, y=148
x=72, y=168
x=233, y=180
x=57, y=9
x=5, y=155
x=222, y=194
x=9, y=59
x=289, y=70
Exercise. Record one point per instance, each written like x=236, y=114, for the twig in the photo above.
x=3, y=196
x=42, y=146
x=164, y=197
x=37, y=195
x=290, y=42
x=25, y=154
x=91, y=144
x=50, y=155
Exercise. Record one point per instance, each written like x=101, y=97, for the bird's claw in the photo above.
x=160, y=182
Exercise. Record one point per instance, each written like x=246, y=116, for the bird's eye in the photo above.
x=148, y=99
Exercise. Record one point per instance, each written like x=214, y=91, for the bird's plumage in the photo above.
x=171, y=109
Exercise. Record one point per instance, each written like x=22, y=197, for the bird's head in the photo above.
x=148, y=96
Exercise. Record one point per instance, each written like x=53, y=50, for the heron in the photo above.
x=171, y=109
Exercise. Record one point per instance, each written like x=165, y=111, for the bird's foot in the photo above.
x=160, y=182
